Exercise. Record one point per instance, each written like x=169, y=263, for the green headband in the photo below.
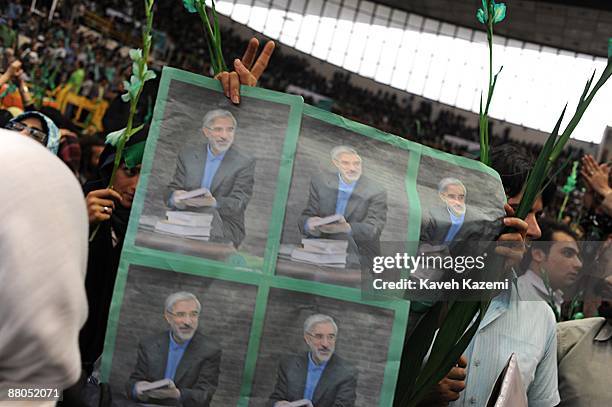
x=132, y=155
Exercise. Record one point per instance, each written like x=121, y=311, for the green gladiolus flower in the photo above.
x=126, y=96
x=136, y=68
x=190, y=5
x=481, y=15
x=499, y=12
x=149, y=75
x=135, y=54
x=114, y=137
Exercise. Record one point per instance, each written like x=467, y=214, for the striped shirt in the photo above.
x=526, y=328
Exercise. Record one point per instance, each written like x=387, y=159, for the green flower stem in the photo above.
x=146, y=39
x=134, y=101
x=484, y=113
x=214, y=36
x=562, y=209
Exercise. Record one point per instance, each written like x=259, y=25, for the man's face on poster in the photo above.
x=183, y=319
x=349, y=166
x=322, y=341
x=454, y=198
x=220, y=134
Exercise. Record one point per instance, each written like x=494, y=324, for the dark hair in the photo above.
x=87, y=143
x=549, y=227
x=513, y=163
x=60, y=120
x=5, y=117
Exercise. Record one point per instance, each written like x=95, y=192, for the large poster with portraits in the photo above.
x=253, y=230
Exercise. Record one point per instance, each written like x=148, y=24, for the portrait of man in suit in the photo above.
x=450, y=219
x=186, y=358
x=223, y=173
x=360, y=202
x=319, y=375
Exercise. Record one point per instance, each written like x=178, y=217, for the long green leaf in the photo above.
x=459, y=317
x=580, y=109
x=586, y=88
x=539, y=172
x=492, y=89
x=415, y=348
x=451, y=357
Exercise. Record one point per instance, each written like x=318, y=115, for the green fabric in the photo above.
x=7, y=35
x=133, y=154
x=76, y=79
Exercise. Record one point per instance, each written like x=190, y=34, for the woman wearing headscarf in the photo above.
x=43, y=254
x=109, y=211
x=38, y=127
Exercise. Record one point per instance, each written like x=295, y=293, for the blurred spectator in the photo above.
x=553, y=265
x=110, y=209
x=40, y=317
x=37, y=126
x=92, y=147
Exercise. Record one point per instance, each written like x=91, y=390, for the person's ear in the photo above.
x=538, y=255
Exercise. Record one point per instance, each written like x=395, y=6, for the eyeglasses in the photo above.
x=455, y=197
x=320, y=337
x=181, y=315
x=36, y=134
x=219, y=130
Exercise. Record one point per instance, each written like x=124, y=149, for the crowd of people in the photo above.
x=569, y=269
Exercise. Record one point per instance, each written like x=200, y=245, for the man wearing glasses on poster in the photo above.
x=178, y=365
x=318, y=377
x=215, y=178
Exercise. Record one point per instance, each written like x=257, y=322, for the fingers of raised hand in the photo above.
x=249, y=55
x=234, y=85
x=518, y=224
x=223, y=77
x=262, y=62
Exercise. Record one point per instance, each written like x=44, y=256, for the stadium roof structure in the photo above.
x=575, y=25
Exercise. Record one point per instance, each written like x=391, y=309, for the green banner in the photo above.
x=268, y=213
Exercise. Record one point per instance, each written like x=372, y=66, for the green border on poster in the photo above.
x=295, y=104
x=132, y=254
x=397, y=141
x=264, y=278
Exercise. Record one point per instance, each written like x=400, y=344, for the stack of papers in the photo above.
x=300, y=403
x=160, y=384
x=326, y=220
x=191, y=225
x=322, y=252
x=203, y=194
